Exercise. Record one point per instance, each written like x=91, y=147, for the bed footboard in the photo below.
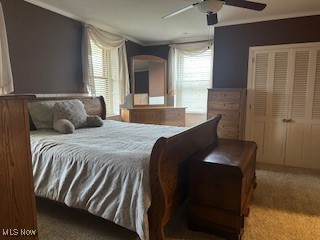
x=168, y=177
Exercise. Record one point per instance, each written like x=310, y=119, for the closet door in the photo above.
x=269, y=105
x=313, y=149
x=303, y=135
x=283, y=112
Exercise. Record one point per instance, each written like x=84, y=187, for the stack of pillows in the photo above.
x=63, y=116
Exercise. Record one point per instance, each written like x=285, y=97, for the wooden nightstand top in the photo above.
x=228, y=154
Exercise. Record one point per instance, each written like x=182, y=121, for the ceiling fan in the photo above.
x=212, y=7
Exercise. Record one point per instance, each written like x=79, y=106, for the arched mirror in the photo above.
x=148, y=79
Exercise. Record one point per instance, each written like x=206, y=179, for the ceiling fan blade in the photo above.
x=212, y=18
x=246, y=4
x=180, y=11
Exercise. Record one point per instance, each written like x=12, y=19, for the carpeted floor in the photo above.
x=286, y=206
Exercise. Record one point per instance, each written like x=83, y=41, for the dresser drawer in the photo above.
x=145, y=117
x=173, y=123
x=234, y=105
x=228, y=125
x=224, y=95
x=157, y=115
x=172, y=117
x=228, y=130
x=225, y=134
x=226, y=115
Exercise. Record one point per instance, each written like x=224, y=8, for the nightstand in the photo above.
x=222, y=182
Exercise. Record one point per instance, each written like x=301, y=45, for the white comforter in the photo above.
x=102, y=170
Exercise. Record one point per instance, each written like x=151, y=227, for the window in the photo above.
x=106, y=76
x=194, y=77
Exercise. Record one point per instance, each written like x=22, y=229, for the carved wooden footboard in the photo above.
x=167, y=178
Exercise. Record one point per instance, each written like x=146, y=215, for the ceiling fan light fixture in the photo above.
x=212, y=6
x=212, y=18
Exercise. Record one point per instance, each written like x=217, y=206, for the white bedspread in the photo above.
x=102, y=170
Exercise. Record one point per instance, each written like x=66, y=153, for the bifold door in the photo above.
x=283, y=110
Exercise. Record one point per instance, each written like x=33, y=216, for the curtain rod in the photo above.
x=200, y=41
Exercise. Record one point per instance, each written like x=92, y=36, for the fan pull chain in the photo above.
x=210, y=35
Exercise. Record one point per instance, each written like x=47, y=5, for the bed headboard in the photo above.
x=93, y=105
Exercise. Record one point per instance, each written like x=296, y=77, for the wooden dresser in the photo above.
x=231, y=104
x=154, y=115
x=222, y=182
x=17, y=201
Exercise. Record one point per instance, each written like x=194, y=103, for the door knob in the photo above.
x=287, y=120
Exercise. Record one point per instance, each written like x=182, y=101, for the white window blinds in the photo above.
x=194, y=77
x=106, y=77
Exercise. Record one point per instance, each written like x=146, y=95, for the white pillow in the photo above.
x=41, y=113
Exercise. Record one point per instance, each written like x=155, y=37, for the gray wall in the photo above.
x=232, y=45
x=45, y=49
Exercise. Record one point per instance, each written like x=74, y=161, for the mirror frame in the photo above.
x=150, y=58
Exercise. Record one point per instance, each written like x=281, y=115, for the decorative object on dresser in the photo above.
x=230, y=103
x=222, y=182
x=155, y=115
x=17, y=201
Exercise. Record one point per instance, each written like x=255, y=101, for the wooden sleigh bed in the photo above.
x=168, y=165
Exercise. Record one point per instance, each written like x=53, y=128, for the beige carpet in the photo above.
x=286, y=207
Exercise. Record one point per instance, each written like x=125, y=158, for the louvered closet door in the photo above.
x=269, y=105
x=303, y=135
x=284, y=106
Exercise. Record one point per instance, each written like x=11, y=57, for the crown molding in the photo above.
x=269, y=18
x=182, y=40
x=232, y=23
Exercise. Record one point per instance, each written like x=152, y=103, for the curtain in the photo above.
x=191, y=49
x=6, y=79
x=105, y=41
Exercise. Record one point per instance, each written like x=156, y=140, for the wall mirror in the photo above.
x=148, y=79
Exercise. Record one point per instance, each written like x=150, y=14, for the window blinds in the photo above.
x=194, y=77
x=106, y=77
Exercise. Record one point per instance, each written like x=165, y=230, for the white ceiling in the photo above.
x=141, y=22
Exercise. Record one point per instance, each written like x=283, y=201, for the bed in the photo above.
x=135, y=183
